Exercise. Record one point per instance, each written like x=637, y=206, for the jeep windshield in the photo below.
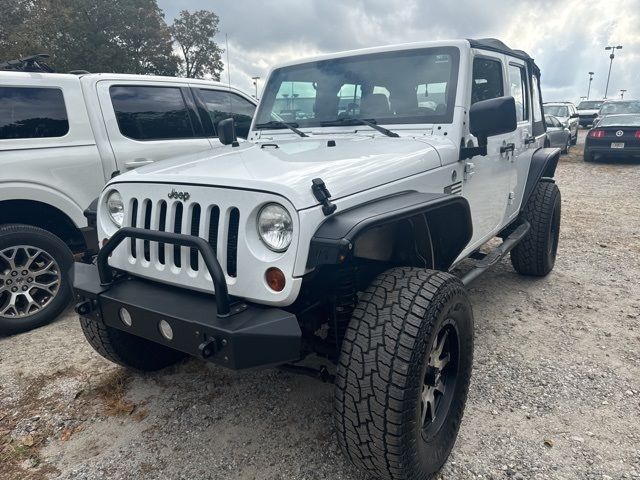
x=400, y=87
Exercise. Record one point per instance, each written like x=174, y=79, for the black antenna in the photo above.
x=33, y=63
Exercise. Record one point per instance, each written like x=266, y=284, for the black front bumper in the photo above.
x=245, y=336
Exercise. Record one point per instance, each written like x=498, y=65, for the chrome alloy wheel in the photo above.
x=29, y=280
x=440, y=379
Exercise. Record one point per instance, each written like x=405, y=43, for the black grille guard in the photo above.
x=223, y=302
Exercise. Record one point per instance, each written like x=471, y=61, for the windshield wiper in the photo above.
x=360, y=121
x=279, y=124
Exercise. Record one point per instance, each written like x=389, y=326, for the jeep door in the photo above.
x=487, y=178
x=150, y=121
x=518, y=86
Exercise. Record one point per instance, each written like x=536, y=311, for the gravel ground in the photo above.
x=555, y=392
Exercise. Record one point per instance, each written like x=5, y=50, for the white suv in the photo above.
x=61, y=138
x=370, y=176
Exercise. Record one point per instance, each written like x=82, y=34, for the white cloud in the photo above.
x=567, y=37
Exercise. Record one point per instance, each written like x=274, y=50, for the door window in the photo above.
x=222, y=105
x=32, y=113
x=518, y=90
x=487, y=79
x=151, y=113
x=537, y=109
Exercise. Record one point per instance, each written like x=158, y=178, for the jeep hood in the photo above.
x=287, y=167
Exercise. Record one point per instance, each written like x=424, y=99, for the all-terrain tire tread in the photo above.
x=372, y=378
x=529, y=257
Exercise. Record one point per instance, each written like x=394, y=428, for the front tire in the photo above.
x=128, y=350
x=34, y=277
x=404, y=372
x=536, y=253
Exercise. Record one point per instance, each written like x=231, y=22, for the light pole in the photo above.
x=611, y=56
x=622, y=90
x=255, y=84
x=590, y=80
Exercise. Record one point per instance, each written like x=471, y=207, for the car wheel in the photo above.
x=34, y=277
x=574, y=139
x=536, y=253
x=567, y=145
x=403, y=374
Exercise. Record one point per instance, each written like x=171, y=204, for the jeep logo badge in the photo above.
x=184, y=196
x=619, y=133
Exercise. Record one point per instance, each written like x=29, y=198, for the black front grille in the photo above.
x=232, y=242
x=194, y=226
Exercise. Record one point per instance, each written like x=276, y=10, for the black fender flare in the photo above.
x=448, y=216
x=543, y=165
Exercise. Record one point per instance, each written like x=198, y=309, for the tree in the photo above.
x=194, y=33
x=124, y=36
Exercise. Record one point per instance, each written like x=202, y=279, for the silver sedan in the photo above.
x=557, y=134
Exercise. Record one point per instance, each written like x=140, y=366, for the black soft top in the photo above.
x=496, y=45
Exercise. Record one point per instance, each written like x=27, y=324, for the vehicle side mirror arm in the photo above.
x=470, y=152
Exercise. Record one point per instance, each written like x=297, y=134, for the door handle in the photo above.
x=529, y=140
x=509, y=147
x=138, y=162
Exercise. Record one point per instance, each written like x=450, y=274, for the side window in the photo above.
x=221, y=105
x=32, y=113
x=518, y=90
x=151, y=113
x=537, y=109
x=487, y=80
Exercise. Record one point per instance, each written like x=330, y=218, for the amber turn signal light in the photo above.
x=275, y=279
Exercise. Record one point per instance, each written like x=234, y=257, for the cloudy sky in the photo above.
x=566, y=37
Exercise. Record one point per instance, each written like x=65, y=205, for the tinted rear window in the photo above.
x=589, y=105
x=620, y=121
x=151, y=113
x=32, y=113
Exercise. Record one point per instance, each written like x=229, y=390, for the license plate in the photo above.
x=617, y=145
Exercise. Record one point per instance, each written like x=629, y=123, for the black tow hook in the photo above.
x=84, y=308
x=208, y=348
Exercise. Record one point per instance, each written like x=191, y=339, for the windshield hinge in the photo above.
x=322, y=195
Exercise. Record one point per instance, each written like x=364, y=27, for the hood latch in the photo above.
x=322, y=195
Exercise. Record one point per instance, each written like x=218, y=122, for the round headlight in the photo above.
x=115, y=208
x=275, y=227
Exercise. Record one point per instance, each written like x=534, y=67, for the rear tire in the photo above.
x=567, y=145
x=128, y=350
x=34, y=277
x=403, y=374
x=536, y=253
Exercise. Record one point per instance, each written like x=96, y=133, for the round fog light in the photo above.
x=275, y=279
x=125, y=316
x=165, y=329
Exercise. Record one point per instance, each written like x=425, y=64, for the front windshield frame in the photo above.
x=266, y=112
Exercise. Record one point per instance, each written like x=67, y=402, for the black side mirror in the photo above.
x=574, y=115
x=492, y=117
x=227, y=131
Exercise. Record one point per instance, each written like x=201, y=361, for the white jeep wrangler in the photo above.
x=370, y=175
